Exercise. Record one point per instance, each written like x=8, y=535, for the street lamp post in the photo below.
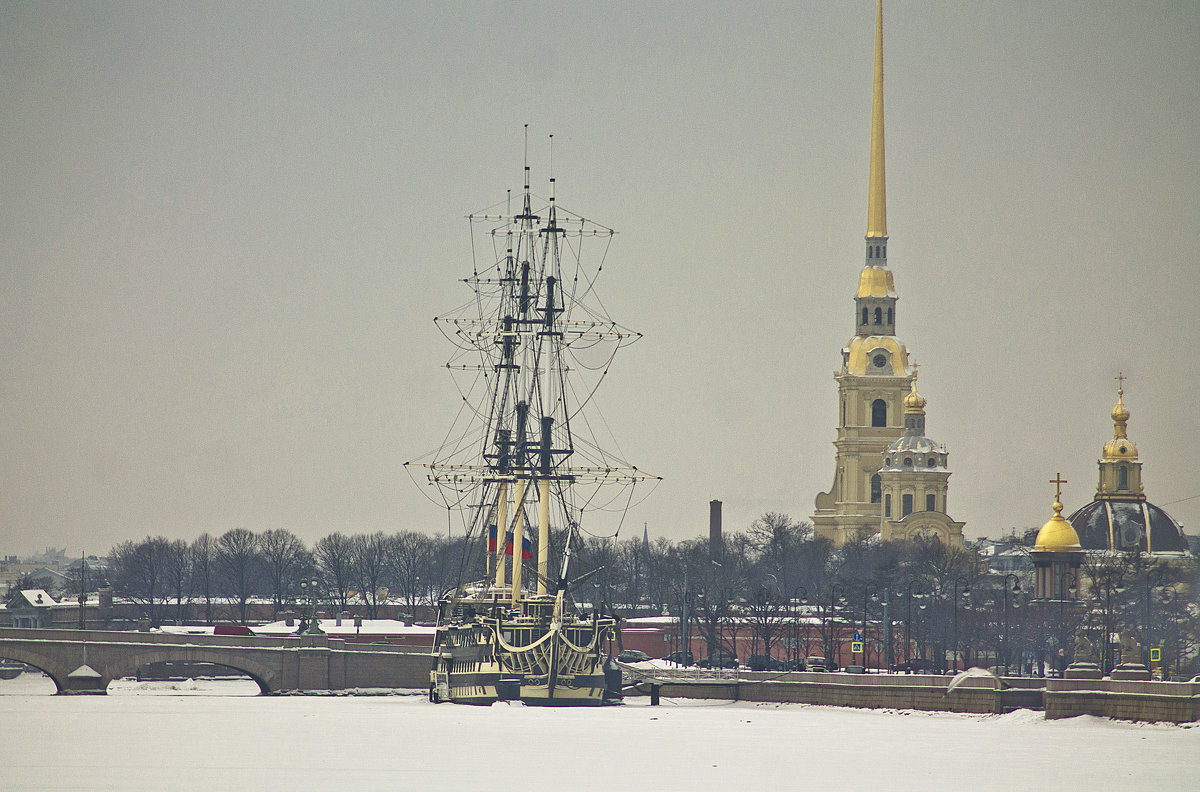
x=935, y=595
x=802, y=599
x=1147, y=638
x=1109, y=588
x=833, y=598
x=966, y=590
x=1166, y=597
x=1066, y=582
x=310, y=588
x=1016, y=588
x=868, y=594
x=908, y=598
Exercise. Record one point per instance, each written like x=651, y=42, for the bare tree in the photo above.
x=204, y=554
x=334, y=557
x=369, y=564
x=284, y=558
x=139, y=573
x=239, y=565
x=413, y=567
x=177, y=577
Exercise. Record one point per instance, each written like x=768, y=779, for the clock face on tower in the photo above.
x=879, y=360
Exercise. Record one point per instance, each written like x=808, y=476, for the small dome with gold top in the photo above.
x=1057, y=535
x=1120, y=447
x=914, y=402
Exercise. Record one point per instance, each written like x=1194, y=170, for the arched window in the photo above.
x=906, y=503
x=876, y=488
x=887, y=505
x=879, y=413
x=864, y=321
x=889, y=316
x=931, y=501
x=878, y=316
x=1122, y=478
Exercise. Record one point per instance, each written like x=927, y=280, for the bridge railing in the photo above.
x=192, y=639
x=679, y=674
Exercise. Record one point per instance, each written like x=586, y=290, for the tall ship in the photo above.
x=523, y=466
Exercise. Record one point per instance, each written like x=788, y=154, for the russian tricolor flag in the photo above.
x=526, y=546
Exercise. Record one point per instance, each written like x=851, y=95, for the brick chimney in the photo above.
x=716, y=542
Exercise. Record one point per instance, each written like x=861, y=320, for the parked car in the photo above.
x=914, y=666
x=795, y=665
x=817, y=664
x=681, y=658
x=719, y=660
x=632, y=656
x=765, y=663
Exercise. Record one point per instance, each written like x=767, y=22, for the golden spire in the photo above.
x=877, y=194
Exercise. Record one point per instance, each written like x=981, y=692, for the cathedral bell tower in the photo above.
x=875, y=374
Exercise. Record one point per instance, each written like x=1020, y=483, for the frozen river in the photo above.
x=220, y=736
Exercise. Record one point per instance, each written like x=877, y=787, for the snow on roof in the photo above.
x=198, y=629
x=331, y=627
x=38, y=598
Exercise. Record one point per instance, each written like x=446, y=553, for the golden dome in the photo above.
x=914, y=402
x=1057, y=534
x=1119, y=413
x=876, y=282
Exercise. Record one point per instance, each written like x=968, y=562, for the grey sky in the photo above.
x=227, y=227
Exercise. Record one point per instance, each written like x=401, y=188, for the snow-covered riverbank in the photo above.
x=209, y=735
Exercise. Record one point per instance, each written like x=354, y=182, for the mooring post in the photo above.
x=654, y=695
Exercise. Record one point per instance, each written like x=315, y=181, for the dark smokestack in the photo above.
x=716, y=543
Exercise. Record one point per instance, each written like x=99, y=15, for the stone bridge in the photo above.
x=86, y=661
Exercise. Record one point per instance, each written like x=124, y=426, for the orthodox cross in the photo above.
x=1120, y=378
x=1058, y=481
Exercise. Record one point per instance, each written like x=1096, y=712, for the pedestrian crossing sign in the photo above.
x=1156, y=655
x=856, y=647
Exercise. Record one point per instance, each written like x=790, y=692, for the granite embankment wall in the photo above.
x=1175, y=702
x=918, y=692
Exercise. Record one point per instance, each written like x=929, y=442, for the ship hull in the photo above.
x=563, y=665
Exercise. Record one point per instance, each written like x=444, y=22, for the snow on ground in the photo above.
x=204, y=735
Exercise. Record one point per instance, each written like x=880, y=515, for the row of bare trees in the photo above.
x=942, y=601
x=167, y=578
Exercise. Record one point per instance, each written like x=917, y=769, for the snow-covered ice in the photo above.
x=198, y=735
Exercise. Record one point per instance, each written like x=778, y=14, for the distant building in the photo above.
x=32, y=608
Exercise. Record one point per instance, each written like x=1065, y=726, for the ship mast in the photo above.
x=543, y=342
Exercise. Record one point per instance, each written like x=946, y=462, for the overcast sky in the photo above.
x=226, y=229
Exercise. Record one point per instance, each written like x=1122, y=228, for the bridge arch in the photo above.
x=42, y=662
x=266, y=677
